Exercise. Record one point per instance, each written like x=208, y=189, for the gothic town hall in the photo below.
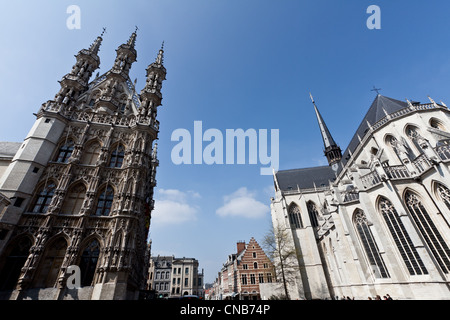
x=79, y=189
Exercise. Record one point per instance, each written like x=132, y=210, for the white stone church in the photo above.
x=375, y=221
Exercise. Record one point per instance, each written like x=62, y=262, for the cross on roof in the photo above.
x=376, y=90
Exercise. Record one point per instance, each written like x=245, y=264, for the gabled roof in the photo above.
x=377, y=111
x=305, y=178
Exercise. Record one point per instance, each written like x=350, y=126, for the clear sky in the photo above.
x=231, y=64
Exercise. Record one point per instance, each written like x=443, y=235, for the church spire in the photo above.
x=332, y=150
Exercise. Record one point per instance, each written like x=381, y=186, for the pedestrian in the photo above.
x=369, y=298
x=388, y=296
x=377, y=297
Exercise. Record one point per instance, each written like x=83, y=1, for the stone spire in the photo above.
x=76, y=81
x=95, y=46
x=151, y=94
x=332, y=150
x=126, y=55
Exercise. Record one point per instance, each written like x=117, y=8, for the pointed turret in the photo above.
x=151, y=94
x=332, y=150
x=76, y=81
x=126, y=55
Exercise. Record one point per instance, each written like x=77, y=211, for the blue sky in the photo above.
x=231, y=64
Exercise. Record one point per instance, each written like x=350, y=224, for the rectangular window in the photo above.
x=186, y=271
x=18, y=202
x=269, y=277
x=244, y=279
x=186, y=281
x=252, y=279
x=261, y=278
x=245, y=266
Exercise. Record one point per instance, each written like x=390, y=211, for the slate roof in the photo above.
x=306, y=178
x=9, y=149
x=375, y=113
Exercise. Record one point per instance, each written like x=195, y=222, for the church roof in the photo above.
x=9, y=149
x=305, y=178
x=380, y=107
x=308, y=178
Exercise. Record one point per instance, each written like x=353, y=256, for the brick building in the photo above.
x=244, y=271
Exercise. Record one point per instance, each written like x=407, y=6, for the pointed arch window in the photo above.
x=14, y=262
x=401, y=238
x=74, y=199
x=370, y=246
x=88, y=263
x=65, y=151
x=91, y=154
x=117, y=156
x=428, y=229
x=413, y=134
x=444, y=194
x=294, y=217
x=44, y=198
x=313, y=213
x=50, y=265
x=104, y=202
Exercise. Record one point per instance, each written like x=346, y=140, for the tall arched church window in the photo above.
x=313, y=213
x=65, y=151
x=88, y=262
x=44, y=198
x=428, y=229
x=74, y=199
x=294, y=217
x=369, y=245
x=408, y=252
x=117, y=156
x=91, y=153
x=14, y=262
x=104, y=202
x=50, y=265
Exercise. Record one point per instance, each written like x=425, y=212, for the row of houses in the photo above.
x=171, y=277
x=247, y=274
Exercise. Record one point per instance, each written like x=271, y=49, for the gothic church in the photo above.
x=79, y=189
x=375, y=221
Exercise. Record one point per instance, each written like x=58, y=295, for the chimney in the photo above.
x=240, y=246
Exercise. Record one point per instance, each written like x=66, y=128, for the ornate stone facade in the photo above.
x=378, y=223
x=81, y=185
